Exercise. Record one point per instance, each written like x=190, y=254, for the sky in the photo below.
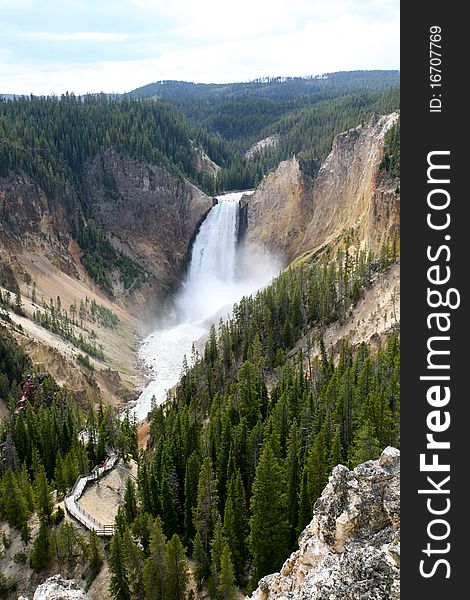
x=54, y=46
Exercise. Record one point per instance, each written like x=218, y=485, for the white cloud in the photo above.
x=209, y=40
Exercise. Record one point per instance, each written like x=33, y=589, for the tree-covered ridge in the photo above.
x=307, y=131
x=52, y=138
x=40, y=452
x=274, y=88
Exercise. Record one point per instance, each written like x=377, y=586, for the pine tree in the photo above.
x=119, y=581
x=305, y=503
x=130, y=501
x=206, y=512
x=226, y=589
x=293, y=480
x=95, y=554
x=365, y=445
x=202, y=561
x=43, y=495
x=176, y=569
x=40, y=554
x=190, y=495
x=134, y=564
x=154, y=567
x=13, y=503
x=269, y=529
x=235, y=523
x=217, y=545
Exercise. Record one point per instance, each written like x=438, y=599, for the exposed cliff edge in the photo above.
x=351, y=549
x=292, y=212
x=149, y=214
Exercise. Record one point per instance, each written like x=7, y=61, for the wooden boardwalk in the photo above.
x=71, y=501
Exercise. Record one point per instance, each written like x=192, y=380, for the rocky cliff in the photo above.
x=148, y=214
x=292, y=211
x=151, y=215
x=351, y=549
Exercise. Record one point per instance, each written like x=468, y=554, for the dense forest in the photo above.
x=306, y=112
x=52, y=138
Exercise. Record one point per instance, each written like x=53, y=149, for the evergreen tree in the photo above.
x=119, y=582
x=176, y=569
x=190, y=495
x=235, y=523
x=40, y=555
x=43, y=495
x=202, y=561
x=130, y=501
x=95, y=554
x=293, y=480
x=365, y=445
x=13, y=503
x=206, y=512
x=154, y=567
x=217, y=545
x=226, y=589
x=269, y=529
x=305, y=503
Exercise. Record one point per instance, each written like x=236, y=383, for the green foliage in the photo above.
x=306, y=112
x=63, y=323
x=52, y=138
x=227, y=589
x=154, y=567
x=119, y=586
x=99, y=258
x=41, y=552
x=176, y=570
x=269, y=538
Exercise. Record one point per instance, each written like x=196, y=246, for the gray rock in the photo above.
x=58, y=588
x=351, y=548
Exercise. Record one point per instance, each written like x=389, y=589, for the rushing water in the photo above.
x=219, y=275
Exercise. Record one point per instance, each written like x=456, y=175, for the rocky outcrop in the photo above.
x=58, y=588
x=151, y=214
x=351, y=549
x=292, y=212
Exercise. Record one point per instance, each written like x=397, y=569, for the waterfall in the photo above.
x=219, y=274
x=211, y=282
x=214, y=251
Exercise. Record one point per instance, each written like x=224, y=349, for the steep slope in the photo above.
x=293, y=211
x=152, y=215
x=148, y=224
x=351, y=549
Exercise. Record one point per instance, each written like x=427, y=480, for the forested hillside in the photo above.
x=306, y=112
x=52, y=138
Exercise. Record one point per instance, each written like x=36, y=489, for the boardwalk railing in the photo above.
x=71, y=499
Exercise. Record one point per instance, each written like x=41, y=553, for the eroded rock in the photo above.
x=351, y=548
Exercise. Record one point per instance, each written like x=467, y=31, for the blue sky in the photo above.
x=51, y=46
